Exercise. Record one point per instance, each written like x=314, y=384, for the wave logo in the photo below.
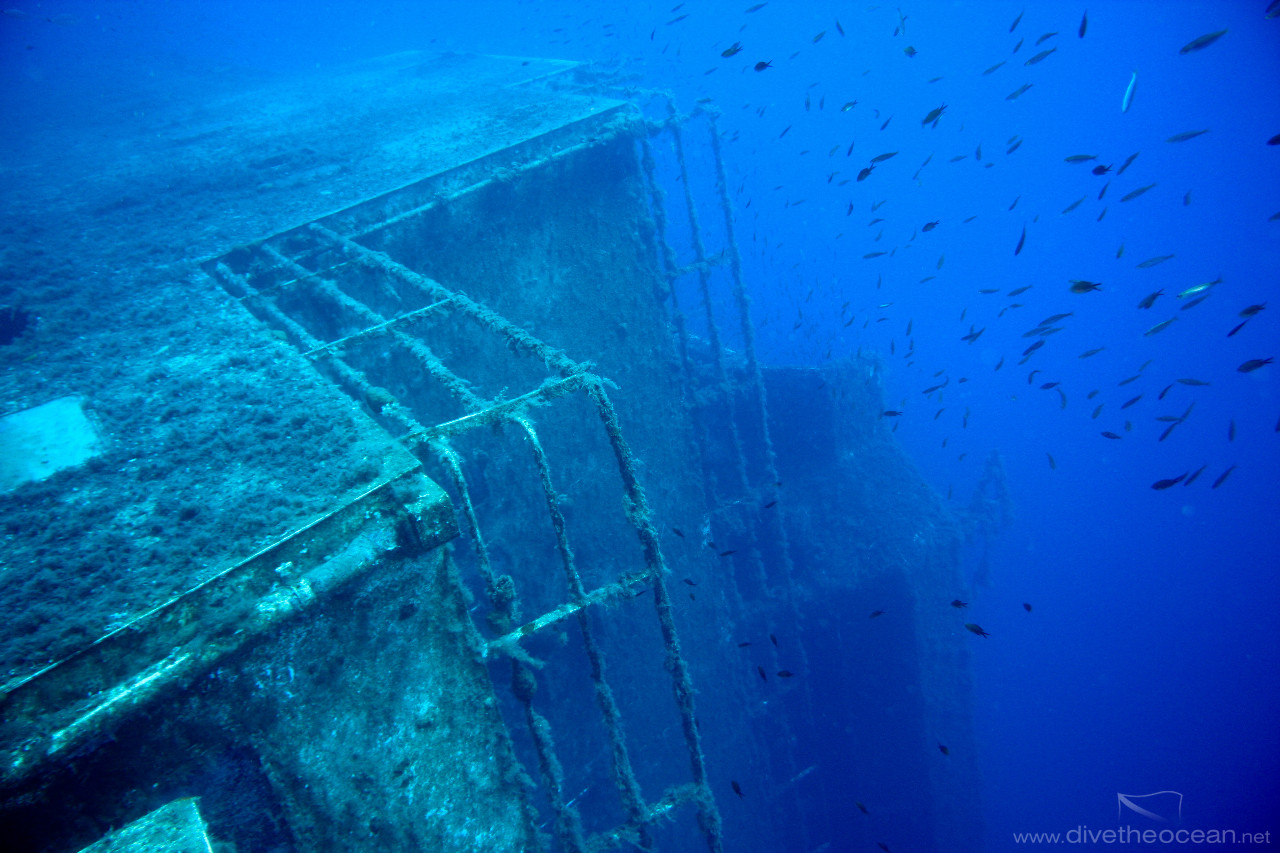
x=1162, y=805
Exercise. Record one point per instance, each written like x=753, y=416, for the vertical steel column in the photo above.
x=749, y=346
x=671, y=270
x=568, y=821
x=704, y=283
x=674, y=122
x=623, y=774
x=637, y=507
x=500, y=590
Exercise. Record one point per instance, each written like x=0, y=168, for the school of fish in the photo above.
x=1098, y=166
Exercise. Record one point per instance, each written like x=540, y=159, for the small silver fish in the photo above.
x=1127, y=100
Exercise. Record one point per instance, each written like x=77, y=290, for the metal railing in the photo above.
x=316, y=286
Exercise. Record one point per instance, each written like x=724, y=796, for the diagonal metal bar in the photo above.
x=554, y=358
x=398, y=320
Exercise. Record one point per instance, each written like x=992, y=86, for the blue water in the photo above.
x=1149, y=659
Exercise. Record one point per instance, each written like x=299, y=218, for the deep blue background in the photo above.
x=1150, y=659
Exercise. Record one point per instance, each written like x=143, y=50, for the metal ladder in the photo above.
x=352, y=309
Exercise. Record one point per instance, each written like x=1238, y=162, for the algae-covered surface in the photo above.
x=216, y=438
x=371, y=720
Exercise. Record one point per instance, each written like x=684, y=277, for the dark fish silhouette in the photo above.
x=1192, y=478
x=1160, y=485
x=1040, y=57
x=1139, y=191
x=1127, y=163
x=1202, y=42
